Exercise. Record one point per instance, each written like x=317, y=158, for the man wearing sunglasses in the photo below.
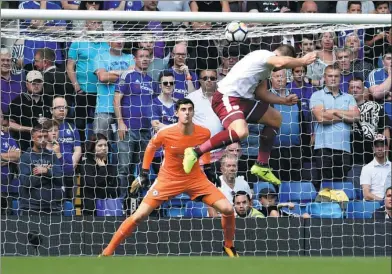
x=206, y=117
x=237, y=102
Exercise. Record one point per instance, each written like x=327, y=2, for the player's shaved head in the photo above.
x=286, y=50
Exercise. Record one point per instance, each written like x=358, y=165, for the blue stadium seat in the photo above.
x=261, y=185
x=68, y=209
x=256, y=204
x=109, y=207
x=300, y=192
x=324, y=210
x=361, y=209
x=196, y=210
x=297, y=211
x=388, y=109
x=178, y=201
x=347, y=187
x=89, y=131
x=174, y=212
x=15, y=207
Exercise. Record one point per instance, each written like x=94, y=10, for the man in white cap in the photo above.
x=28, y=110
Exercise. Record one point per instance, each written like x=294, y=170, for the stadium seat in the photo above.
x=259, y=186
x=109, y=207
x=388, y=109
x=324, y=210
x=15, y=207
x=89, y=131
x=297, y=211
x=196, y=210
x=256, y=204
x=178, y=201
x=361, y=209
x=347, y=187
x=68, y=209
x=174, y=212
x=300, y=192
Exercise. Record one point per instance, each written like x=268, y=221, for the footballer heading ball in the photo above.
x=236, y=31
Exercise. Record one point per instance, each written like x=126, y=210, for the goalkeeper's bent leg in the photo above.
x=228, y=225
x=127, y=227
x=228, y=220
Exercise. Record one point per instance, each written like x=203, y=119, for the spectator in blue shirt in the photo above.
x=133, y=109
x=123, y=5
x=69, y=142
x=286, y=156
x=343, y=59
x=334, y=112
x=185, y=81
x=12, y=85
x=80, y=70
x=51, y=26
x=157, y=64
x=379, y=81
x=303, y=89
x=10, y=154
x=40, y=177
x=163, y=111
x=69, y=5
x=108, y=67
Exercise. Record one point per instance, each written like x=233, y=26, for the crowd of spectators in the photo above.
x=87, y=109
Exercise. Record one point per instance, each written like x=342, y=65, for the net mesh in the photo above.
x=90, y=205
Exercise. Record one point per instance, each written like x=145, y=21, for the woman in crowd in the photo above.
x=98, y=174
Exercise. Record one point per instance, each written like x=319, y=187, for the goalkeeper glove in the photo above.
x=142, y=180
x=211, y=175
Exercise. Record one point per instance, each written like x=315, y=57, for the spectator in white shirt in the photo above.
x=230, y=182
x=376, y=176
x=204, y=115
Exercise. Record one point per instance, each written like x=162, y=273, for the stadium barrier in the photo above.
x=65, y=236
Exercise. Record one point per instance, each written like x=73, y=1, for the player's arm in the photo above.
x=282, y=62
x=153, y=145
x=262, y=93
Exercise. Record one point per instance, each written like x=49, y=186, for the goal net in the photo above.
x=66, y=81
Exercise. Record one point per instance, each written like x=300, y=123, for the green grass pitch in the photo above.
x=195, y=265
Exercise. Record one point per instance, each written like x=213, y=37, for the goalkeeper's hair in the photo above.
x=287, y=50
x=183, y=101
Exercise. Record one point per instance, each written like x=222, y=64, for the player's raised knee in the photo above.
x=242, y=132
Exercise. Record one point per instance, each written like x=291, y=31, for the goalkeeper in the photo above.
x=172, y=180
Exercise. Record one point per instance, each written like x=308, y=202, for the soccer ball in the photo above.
x=236, y=31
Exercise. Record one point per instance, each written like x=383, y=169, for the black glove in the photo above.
x=143, y=180
x=211, y=175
